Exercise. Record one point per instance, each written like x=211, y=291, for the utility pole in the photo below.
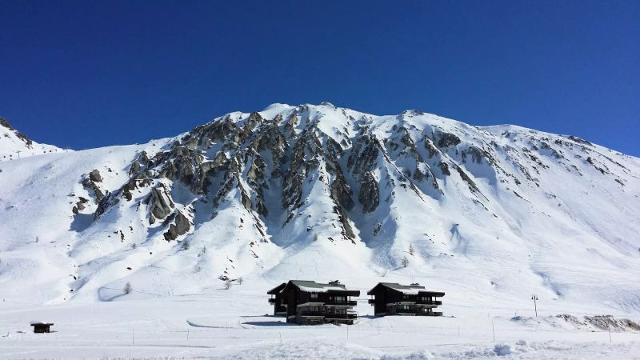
x=535, y=305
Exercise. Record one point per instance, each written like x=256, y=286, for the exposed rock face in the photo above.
x=446, y=140
x=95, y=176
x=180, y=226
x=80, y=205
x=5, y=123
x=92, y=187
x=161, y=204
x=444, y=168
x=369, y=192
x=140, y=164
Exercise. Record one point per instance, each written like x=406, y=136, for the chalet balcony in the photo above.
x=429, y=302
x=328, y=315
x=338, y=302
x=312, y=313
x=349, y=316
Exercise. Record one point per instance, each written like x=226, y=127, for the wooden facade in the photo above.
x=309, y=302
x=396, y=299
x=279, y=308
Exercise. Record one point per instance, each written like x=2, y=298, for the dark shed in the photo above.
x=40, y=327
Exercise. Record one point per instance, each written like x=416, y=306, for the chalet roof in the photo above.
x=312, y=286
x=276, y=289
x=413, y=289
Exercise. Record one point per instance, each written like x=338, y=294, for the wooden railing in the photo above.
x=335, y=302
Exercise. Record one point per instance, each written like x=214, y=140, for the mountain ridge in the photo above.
x=319, y=190
x=14, y=144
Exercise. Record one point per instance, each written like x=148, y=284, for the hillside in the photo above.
x=15, y=145
x=316, y=191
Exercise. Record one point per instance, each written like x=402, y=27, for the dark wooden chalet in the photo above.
x=396, y=299
x=309, y=302
x=279, y=308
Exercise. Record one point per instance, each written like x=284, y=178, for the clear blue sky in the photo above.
x=83, y=74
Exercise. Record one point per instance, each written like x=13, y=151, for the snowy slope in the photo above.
x=15, y=145
x=321, y=192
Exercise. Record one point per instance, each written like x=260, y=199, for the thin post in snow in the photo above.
x=609, y=334
x=535, y=305
x=493, y=328
x=347, y=333
x=187, y=334
x=133, y=336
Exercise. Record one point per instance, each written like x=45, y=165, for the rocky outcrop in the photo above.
x=80, y=205
x=477, y=155
x=140, y=164
x=90, y=184
x=446, y=140
x=340, y=190
x=369, y=195
x=472, y=185
x=187, y=165
x=95, y=176
x=180, y=226
x=160, y=203
x=444, y=168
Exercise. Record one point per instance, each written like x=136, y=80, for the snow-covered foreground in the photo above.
x=233, y=324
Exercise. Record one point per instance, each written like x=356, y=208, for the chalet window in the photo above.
x=313, y=295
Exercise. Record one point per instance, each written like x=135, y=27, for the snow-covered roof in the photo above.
x=312, y=286
x=276, y=289
x=412, y=289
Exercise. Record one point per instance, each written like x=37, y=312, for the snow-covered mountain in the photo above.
x=16, y=145
x=323, y=192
